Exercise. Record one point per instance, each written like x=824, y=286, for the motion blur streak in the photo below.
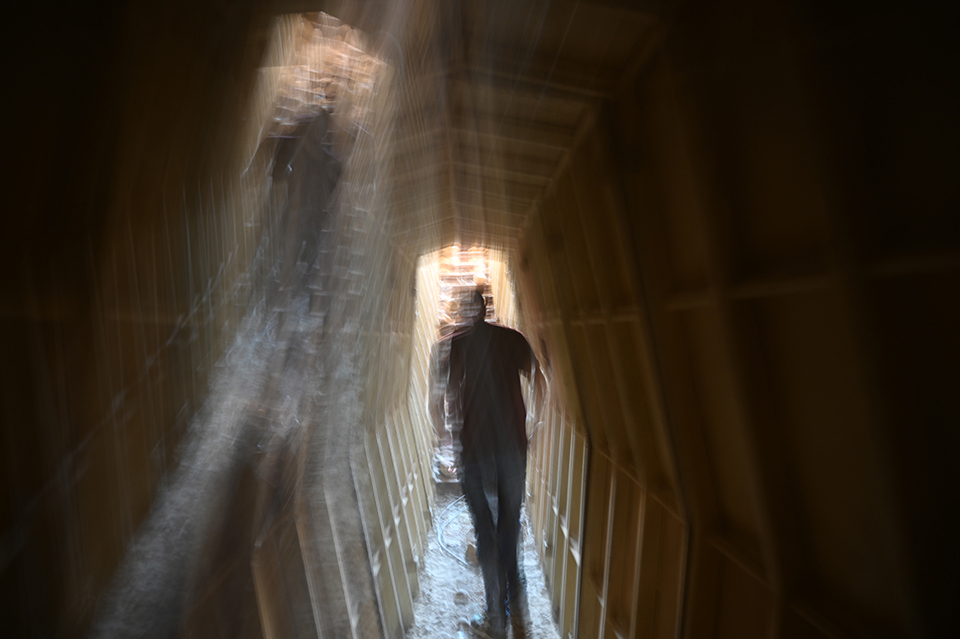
x=729, y=232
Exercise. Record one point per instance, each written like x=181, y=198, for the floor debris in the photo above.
x=452, y=590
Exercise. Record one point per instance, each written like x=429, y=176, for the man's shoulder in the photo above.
x=509, y=334
x=501, y=332
x=501, y=328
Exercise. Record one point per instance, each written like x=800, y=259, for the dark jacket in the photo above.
x=485, y=364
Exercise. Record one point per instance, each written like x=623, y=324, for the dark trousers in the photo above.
x=494, y=492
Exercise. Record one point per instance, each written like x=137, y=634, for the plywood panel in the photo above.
x=563, y=474
x=797, y=625
x=826, y=423
x=571, y=584
x=589, y=614
x=596, y=518
x=393, y=534
x=722, y=423
x=916, y=318
x=593, y=411
x=610, y=401
x=663, y=181
x=597, y=226
x=627, y=520
x=555, y=240
x=624, y=335
x=583, y=279
x=744, y=605
x=578, y=471
x=672, y=565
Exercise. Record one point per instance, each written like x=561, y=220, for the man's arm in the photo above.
x=538, y=386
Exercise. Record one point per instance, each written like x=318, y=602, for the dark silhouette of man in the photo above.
x=483, y=365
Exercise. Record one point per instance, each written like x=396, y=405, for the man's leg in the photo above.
x=512, y=481
x=488, y=547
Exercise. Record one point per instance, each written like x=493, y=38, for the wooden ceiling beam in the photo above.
x=505, y=174
x=529, y=168
x=517, y=132
x=471, y=94
x=412, y=207
x=651, y=8
x=493, y=178
x=491, y=199
x=494, y=131
x=540, y=72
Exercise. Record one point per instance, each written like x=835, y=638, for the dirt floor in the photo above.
x=451, y=588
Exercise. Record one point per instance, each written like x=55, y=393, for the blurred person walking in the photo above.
x=479, y=375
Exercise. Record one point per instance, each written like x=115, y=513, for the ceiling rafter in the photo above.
x=512, y=66
x=495, y=130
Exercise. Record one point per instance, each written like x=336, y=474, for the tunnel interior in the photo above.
x=728, y=232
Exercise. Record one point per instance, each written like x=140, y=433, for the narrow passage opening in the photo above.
x=451, y=586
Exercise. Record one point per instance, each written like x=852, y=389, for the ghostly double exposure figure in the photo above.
x=477, y=369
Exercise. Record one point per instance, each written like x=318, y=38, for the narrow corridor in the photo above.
x=728, y=231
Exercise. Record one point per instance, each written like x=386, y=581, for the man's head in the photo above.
x=473, y=309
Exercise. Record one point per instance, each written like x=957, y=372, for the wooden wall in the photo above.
x=605, y=498
x=737, y=323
